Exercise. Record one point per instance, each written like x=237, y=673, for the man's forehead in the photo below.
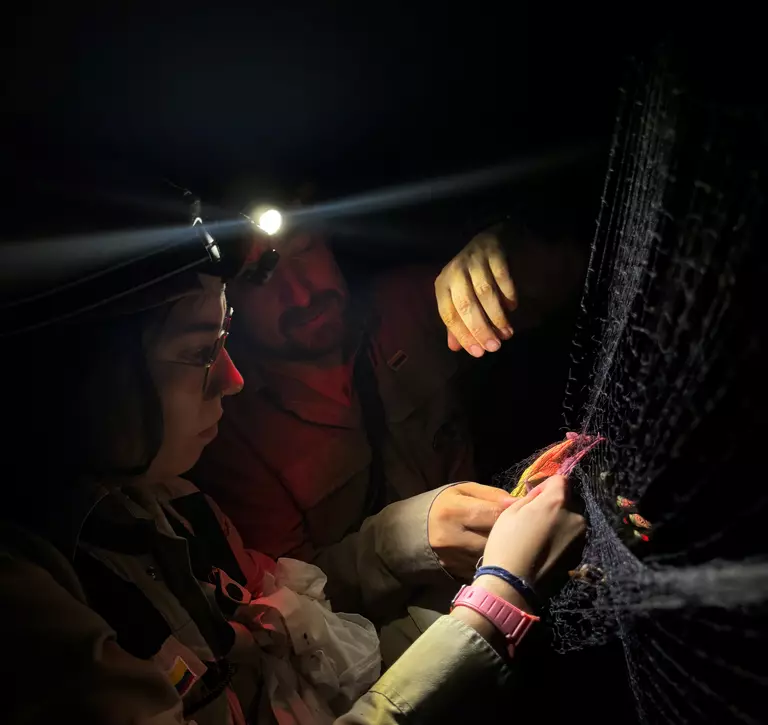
x=286, y=248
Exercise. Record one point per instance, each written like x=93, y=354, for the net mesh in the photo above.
x=669, y=365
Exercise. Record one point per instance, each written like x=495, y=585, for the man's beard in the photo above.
x=313, y=344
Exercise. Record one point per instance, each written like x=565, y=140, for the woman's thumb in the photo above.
x=555, y=487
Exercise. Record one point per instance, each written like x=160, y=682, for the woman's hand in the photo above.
x=532, y=533
x=527, y=539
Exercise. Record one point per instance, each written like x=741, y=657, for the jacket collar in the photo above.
x=95, y=511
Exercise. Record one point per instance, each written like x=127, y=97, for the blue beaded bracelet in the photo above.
x=522, y=587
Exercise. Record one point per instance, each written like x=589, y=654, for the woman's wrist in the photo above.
x=500, y=588
x=484, y=627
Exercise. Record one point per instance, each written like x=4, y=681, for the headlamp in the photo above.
x=269, y=221
x=240, y=247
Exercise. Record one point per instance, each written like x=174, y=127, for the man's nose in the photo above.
x=294, y=288
x=225, y=378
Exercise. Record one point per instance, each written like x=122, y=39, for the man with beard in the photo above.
x=351, y=411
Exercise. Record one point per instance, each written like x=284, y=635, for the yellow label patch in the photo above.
x=181, y=677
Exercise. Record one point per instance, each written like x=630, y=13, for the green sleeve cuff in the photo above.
x=449, y=666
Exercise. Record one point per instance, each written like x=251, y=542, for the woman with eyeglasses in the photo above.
x=126, y=594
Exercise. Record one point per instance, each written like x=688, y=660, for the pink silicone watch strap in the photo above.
x=512, y=622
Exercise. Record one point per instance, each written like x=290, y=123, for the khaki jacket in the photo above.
x=64, y=661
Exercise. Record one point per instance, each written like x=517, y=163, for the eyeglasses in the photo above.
x=218, y=346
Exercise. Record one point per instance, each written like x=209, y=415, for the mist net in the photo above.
x=669, y=367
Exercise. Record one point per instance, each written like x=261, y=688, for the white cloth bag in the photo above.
x=312, y=656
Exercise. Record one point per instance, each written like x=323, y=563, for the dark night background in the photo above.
x=349, y=93
x=350, y=96
x=234, y=101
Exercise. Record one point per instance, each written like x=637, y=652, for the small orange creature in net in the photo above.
x=559, y=459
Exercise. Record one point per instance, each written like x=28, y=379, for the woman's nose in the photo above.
x=225, y=378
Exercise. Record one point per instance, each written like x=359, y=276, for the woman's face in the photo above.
x=177, y=354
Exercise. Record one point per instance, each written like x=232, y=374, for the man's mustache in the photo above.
x=297, y=316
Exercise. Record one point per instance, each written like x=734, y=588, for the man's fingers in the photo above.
x=489, y=296
x=474, y=292
x=474, y=507
x=481, y=516
x=453, y=343
x=518, y=503
x=473, y=315
x=486, y=493
x=497, y=263
x=453, y=320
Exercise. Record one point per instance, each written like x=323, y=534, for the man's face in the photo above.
x=300, y=314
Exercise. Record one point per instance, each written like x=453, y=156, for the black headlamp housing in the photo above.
x=239, y=248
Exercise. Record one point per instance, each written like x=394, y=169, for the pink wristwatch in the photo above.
x=512, y=622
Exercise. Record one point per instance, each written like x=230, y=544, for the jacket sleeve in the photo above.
x=449, y=672
x=61, y=659
x=375, y=570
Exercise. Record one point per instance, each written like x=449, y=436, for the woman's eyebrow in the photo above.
x=194, y=327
